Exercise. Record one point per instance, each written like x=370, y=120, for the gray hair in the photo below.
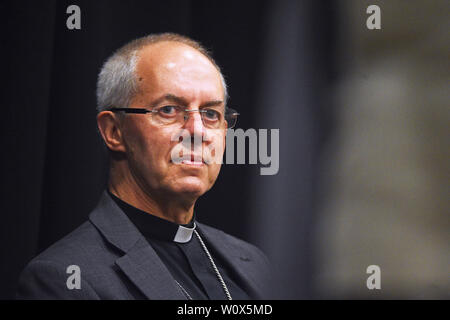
x=117, y=83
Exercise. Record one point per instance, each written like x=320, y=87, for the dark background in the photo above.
x=277, y=57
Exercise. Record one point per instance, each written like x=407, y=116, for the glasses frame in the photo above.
x=228, y=112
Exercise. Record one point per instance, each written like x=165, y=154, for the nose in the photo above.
x=194, y=123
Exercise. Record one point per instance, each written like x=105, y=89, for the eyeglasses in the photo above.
x=170, y=115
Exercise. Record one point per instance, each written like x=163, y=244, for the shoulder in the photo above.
x=82, y=244
x=46, y=276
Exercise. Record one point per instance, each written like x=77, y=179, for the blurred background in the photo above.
x=363, y=117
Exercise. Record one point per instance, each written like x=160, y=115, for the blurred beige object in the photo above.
x=387, y=176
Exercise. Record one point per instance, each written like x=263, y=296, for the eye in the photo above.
x=168, y=111
x=211, y=115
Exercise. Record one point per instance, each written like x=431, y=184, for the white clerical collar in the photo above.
x=184, y=234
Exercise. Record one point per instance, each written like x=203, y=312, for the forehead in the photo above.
x=176, y=68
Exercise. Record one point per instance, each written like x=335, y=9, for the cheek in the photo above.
x=214, y=170
x=156, y=150
x=148, y=144
x=218, y=145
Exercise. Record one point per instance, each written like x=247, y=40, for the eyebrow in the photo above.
x=182, y=101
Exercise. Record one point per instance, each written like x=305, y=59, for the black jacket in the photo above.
x=116, y=262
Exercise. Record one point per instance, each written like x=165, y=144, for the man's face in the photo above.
x=171, y=73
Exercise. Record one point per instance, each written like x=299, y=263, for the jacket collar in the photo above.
x=238, y=260
x=140, y=262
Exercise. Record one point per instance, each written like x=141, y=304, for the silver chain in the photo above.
x=184, y=291
x=216, y=270
x=219, y=276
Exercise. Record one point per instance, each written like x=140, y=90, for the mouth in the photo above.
x=194, y=160
x=193, y=163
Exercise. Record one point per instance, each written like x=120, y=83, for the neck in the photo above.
x=172, y=208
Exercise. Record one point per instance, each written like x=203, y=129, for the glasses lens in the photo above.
x=166, y=115
x=211, y=118
x=231, y=117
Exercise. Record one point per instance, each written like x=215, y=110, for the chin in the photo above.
x=191, y=185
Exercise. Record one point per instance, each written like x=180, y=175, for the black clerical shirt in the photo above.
x=187, y=262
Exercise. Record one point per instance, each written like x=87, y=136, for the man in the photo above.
x=163, y=117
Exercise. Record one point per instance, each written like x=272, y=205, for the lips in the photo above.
x=195, y=159
x=193, y=163
x=188, y=157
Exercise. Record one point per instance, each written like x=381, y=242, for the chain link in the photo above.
x=216, y=270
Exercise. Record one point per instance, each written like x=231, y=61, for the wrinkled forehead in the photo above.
x=172, y=66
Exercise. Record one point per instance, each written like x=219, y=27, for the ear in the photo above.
x=111, y=131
